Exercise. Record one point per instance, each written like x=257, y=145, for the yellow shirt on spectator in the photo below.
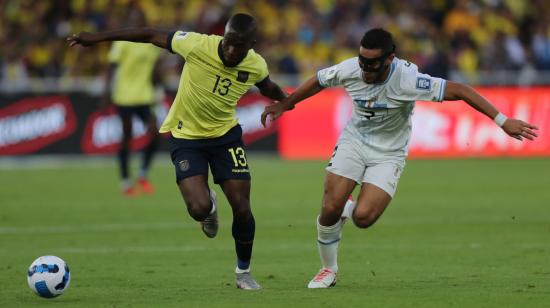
x=133, y=83
x=208, y=92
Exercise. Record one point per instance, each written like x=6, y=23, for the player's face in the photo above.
x=235, y=48
x=374, y=64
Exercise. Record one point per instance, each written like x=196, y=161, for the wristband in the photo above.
x=500, y=119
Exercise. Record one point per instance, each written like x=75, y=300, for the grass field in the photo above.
x=460, y=233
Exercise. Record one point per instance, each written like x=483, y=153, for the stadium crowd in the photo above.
x=297, y=36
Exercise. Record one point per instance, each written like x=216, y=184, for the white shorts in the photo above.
x=351, y=160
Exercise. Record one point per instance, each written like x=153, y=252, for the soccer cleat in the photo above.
x=146, y=186
x=246, y=282
x=130, y=192
x=209, y=226
x=326, y=278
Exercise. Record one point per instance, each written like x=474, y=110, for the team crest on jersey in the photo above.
x=423, y=83
x=242, y=76
x=184, y=165
x=181, y=35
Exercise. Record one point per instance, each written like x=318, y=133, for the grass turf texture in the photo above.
x=463, y=233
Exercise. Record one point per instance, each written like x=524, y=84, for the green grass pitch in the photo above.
x=460, y=233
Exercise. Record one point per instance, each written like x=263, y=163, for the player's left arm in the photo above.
x=270, y=89
x=513, y=127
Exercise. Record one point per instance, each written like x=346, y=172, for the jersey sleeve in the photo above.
x=263, y=71
x=414, y=85
x=183, y=42
x=330, y=76
x=115, y=53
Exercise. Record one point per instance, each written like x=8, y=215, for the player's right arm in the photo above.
x=305, y=90
x=142, y=35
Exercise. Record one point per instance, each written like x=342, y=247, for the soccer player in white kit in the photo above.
x=374, y=145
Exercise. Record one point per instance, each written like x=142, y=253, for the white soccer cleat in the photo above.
x=245, y=281
x=209, y=226
x=326, y=278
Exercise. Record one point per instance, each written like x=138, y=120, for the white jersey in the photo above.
x=382, y=112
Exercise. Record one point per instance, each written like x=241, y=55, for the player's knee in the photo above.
x=365, y=219
x=331, y=209
x=242, y=213
x=199, y=210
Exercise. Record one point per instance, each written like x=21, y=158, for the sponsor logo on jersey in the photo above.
x=423, y=83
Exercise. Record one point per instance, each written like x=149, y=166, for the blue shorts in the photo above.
x=143, y=112
x=225, y=155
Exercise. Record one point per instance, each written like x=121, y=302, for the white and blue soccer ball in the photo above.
x=49, y=276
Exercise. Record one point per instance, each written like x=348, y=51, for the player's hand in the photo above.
x=519, y=129
x=275, y=110
x=83, y=38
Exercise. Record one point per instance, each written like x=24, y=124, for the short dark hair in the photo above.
x=378, y=38
x=242, y=23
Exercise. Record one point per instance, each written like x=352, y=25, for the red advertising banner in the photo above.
x=33, y=123
x=448, y=129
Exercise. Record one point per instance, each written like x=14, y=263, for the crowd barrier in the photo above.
x=74, y=124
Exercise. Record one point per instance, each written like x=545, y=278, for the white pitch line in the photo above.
x=186, y=224
x=262, y=249
x=96, y=228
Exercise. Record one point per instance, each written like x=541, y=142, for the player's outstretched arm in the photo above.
x=270, y=89
x=142, y=35
x=513, y=127
x=307, y=89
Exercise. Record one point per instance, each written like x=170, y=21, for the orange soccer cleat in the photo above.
x=146, y=186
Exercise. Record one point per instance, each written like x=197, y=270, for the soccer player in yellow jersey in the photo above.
x=132, y=65
x=202, y=123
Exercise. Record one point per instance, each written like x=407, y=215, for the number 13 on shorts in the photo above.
x=239, y=157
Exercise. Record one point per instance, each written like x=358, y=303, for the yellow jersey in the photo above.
x=208, y=92
x=133, y=80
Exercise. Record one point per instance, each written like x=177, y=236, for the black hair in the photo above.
x=242, y=23
x=378, y=38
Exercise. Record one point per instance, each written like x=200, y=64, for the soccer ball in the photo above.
x=48, y=276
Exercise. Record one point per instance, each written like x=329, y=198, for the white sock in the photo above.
x=126, y=184
x=241, y=271
x=348, y=209
x=328, y=238
x=143, y=174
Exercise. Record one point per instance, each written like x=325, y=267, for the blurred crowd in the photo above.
x=297, y=36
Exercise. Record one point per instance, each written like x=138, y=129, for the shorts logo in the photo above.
x=180, y=125
x=423, y=83
x=242, y=76
x=396, y=173
x=184, y=165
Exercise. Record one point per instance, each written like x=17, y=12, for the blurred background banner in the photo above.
x=72, y=124
x=30, y=124
x=448, y=129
